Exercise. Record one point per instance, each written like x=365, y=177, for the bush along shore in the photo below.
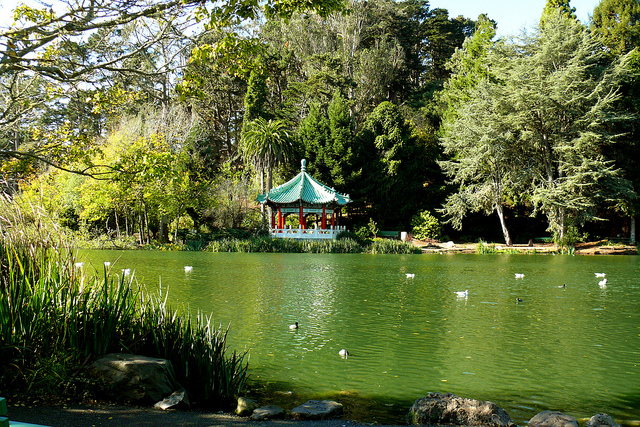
x=342, y=245
x=54, y=321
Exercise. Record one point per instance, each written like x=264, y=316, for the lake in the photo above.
x=574, y=349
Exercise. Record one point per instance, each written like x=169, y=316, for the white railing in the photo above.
x=307, y=233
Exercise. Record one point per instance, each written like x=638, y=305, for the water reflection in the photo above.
x=574, y=348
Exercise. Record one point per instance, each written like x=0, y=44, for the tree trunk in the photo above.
x=505, y=231
x=632, y=233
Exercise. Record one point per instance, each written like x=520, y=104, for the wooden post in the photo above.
x=324, y=218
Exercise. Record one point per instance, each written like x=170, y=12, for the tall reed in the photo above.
x=267, y=244
x=53, y=318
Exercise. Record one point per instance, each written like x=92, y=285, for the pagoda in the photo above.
x=303, y=195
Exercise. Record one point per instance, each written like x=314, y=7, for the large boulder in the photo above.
x=602, y=420
x=316, y=410
x=552, y=419
x=136, y=377
x=438, y=408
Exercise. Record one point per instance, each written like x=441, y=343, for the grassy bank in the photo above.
x=343, y=246
x=54, y=321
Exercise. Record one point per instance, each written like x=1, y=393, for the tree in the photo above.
x=617, y=24
x=266, y=144
x=392, y=172
x=481, y=148
x=57, y=50
x=553, y=7
x=468, y=66
x=553, y=96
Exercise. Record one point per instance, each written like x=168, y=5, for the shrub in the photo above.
x=426, y=226
x=53, y=319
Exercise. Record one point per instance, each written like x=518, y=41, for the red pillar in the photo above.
x=301, y=218
x=324, y=218
x=280, y=219
x=273, y=219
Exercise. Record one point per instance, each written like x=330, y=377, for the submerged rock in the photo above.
x=602, y=420
x=553, y=419
x=438, y=408
x=317, y=410
x=268, y=412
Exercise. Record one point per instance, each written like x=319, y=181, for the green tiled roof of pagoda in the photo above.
x=303, y=187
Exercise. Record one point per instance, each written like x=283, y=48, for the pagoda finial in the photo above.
x=303, y=168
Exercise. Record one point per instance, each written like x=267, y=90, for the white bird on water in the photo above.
x=602, y=283
x=79, y=264
x=187, y=268
x=410, y=275
x=462, y=294
x=344, y=353
x=294, y=326
x=519, y=275
x=600, y=274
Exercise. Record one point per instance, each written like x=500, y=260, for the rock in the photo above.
x=175, y=398
x=438, y=408
x=268, y=412
x=552, y=419
x=316, y=410
x=602, y=420
x=245, y=406
x=136, y=377
x=449, y=245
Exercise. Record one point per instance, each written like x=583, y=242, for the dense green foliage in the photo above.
x=138, y=129
x=340, y=246
x=425, y=226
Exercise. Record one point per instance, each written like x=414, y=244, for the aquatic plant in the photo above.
x=484, y=248
x=54, y=319
x=390, y=246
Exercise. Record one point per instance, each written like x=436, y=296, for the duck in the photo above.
x=462, y=294
x=344, y=353
x=600, y=274
x=410, y=275
x=518, y=300
x=602, y=283
x=187, y=268
x=519, y=276
x=564, y=285
x=294, y=326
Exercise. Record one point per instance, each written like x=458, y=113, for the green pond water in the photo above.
x=574, y=349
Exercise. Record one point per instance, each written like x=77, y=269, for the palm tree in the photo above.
x=266, y=144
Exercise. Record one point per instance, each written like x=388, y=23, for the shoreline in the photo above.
x=587, y=248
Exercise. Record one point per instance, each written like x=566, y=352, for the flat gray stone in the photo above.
x=268, y=412
x=316, y=410
x=553, y=419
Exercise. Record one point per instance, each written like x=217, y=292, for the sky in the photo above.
x=511, y=15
